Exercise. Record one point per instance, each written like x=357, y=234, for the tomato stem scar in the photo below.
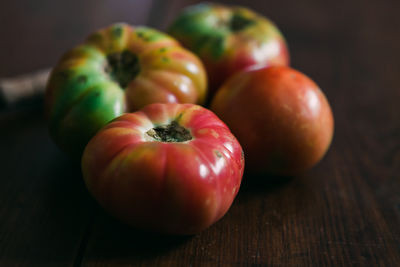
x=172, y=132
x=122, y=67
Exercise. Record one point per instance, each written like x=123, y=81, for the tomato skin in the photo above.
x=169, y=187
x=229, y=39
x=280, y=116
x=84, y=93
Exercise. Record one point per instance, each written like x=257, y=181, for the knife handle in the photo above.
x=16, y=89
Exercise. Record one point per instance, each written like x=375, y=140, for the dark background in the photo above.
x=344, y=212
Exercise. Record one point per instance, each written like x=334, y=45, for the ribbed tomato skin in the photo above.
x=169, y=187
x=82, y=96
x=229, y=39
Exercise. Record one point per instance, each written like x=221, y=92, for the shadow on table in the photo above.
x=111, y=240
x=272, y=198
x=263, y=183
x=46, y=206
x=70, y=209
x=84, y=230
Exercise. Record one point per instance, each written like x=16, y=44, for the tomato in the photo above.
x=171, y=168
x=229, y=39
x=118, y=69
x=279, y=115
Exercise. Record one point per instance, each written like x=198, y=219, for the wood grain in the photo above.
x=44, y=206
x=344, y=212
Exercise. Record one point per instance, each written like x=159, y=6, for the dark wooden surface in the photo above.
x=344, y=212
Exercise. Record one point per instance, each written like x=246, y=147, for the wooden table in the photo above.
x=344, y=212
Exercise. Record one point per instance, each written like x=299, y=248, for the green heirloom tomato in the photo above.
x=118, y=69
x=229, y=39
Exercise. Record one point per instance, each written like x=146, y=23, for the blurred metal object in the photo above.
x=22, y=88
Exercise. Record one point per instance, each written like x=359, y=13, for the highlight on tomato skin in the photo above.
x=169, y=168
x=280, y=116
x=229, y=39
x=118, y=69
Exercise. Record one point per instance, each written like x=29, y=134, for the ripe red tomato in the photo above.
x=279, y=115
x=172, y=168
